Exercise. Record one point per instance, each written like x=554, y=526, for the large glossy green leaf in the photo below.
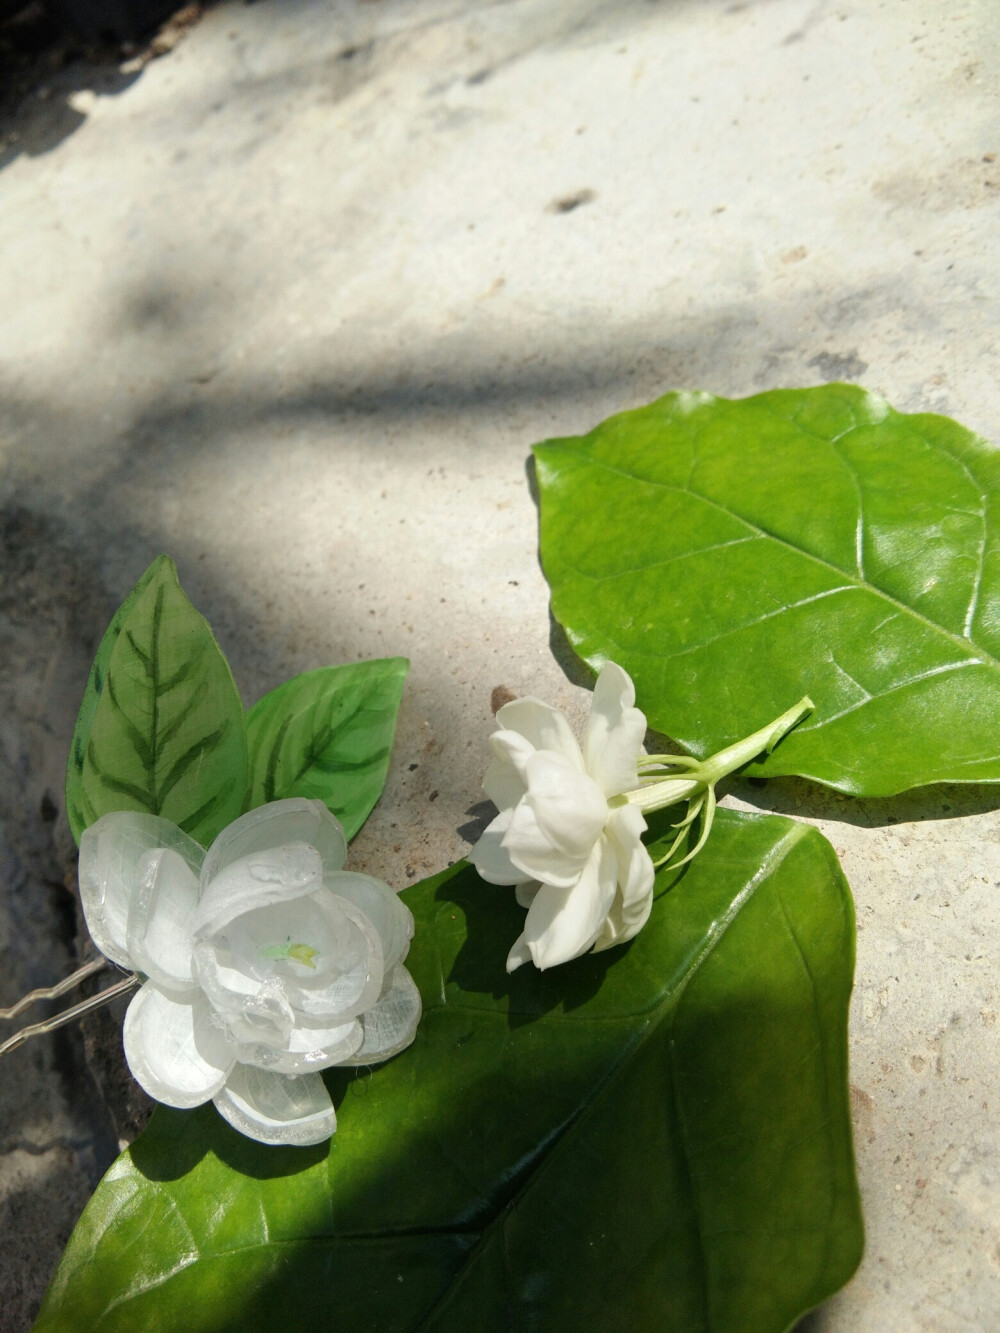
x=76, y=801
x=652, y=1138
x=166, y=731
x=735, y=555
x=327, y=734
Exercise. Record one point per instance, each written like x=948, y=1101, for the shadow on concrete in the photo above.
x=48, y=73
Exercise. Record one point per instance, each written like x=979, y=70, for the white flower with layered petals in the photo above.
x=566, y=836
x=265, y=962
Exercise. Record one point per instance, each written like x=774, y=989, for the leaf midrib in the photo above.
x=667, y=1006
x=968, y=646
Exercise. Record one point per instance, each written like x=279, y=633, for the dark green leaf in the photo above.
x=166, y=731
x=733, y=556
x=327, y=734
x=652, y=1138
x=76, y=800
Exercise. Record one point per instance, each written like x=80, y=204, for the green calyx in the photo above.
x=667, y=779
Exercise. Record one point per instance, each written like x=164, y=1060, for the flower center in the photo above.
x=302, y=953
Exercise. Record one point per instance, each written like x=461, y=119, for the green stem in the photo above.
x=735, y=756
x=701, y=775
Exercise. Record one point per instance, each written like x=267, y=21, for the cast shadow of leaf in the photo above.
x=798, y=797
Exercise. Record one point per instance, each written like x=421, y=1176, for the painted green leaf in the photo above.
x=327, y=734
x=75, y=796
x=652, y=1138
x=735, y=555
x=166, y=731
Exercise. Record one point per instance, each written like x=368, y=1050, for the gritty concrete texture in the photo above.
x=293, y=302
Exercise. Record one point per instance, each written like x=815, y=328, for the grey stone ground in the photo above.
x=293, y=304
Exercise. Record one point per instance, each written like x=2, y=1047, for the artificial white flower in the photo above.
x=566, y=836
x=569, y=832
x=265, y=962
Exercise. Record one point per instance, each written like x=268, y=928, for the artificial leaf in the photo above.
x=327, y=734
x=736, y=555
x=76, y=800
x=654, y=1137
x=166, y=733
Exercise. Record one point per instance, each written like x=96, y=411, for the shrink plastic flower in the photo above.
x=265, y=962
x=569, y=833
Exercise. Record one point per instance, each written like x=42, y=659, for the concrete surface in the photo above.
x=293, y=303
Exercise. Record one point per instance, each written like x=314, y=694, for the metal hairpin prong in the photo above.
x=53, y=992
x=68, y=1015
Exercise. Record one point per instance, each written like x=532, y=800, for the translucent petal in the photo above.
x=612, y=742
x=308, y=1049
x=391, y=1023
x=160, y=913
x=564, y=923
x=246, y=987
x=544, y=726
x=259, y=879
x=174, y=1049
x=492, y=859
x=357, y=985
x=277, y=1108
x=309, y=941
x=383, y=908
x=279, y=824
x=553, y=830
x=112, y=854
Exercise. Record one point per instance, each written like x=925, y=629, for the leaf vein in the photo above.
x=975, y=650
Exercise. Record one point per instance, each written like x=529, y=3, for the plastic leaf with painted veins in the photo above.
x=265, y=961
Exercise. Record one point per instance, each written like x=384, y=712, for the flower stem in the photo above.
x=697, y=786
x=735, y=756
x=703, y=774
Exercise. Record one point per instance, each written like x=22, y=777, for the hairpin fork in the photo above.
x=68, y=1015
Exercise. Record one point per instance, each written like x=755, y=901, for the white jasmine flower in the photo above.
x=565, y=836
x=569, y=832
x=265, y=962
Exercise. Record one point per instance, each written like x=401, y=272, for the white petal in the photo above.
x=260, y=879
x=544, y=726
x=553, y=830
x=279, y=824
x=391, y=1023
x=612, y=742
x=564, y=923
x=277, y=1108
x=634, y=899
x=525, y=893
x=112, y=854
x=492, y=859
x=383, y=908
x=624, y=830
x=308, y=1049
x=519, y=954
x=160, y=913
x=173, y=1048
x=505, y=781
